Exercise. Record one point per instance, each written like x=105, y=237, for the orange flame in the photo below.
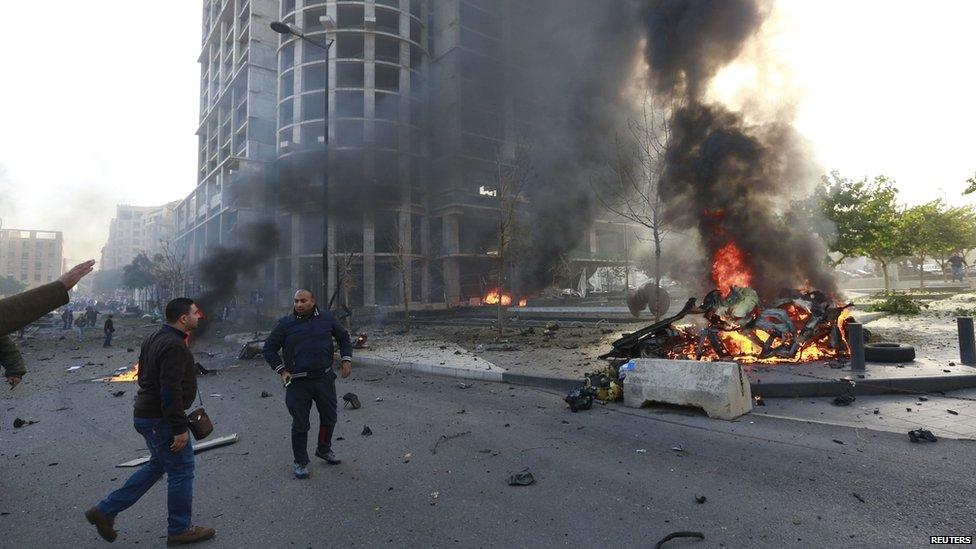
x=495, y=296
x=729, y=269
x=132, y=374
x=523, y=302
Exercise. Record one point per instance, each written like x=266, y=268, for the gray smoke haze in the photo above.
x=729, y=180
x=576, y=57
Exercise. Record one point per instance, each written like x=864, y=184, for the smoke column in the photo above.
x=729, y=180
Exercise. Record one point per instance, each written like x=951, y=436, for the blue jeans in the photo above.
x=177, y=466
x=108, y=340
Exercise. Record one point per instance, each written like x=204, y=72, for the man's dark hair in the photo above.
x=177, y=308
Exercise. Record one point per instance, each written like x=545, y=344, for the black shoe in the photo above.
x=329, y=457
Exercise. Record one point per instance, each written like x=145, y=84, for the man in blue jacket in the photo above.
x=305, y=337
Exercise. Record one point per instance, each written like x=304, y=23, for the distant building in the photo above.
x=32, y=257
x=135, y=230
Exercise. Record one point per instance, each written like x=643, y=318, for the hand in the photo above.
x=345, y=369
x=285, y=377
x=70, y=279
x=13, y=381
x=179, y=442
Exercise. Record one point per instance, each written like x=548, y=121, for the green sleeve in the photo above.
x=10, y=358
x=20, y=310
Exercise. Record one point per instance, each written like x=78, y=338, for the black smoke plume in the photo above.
x=726, y=178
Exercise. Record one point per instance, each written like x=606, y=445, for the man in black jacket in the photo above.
x=305, y=339
x=167, y=387
x=108, y=329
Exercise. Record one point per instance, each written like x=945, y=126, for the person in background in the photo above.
x=957, y=263
x=108, y=328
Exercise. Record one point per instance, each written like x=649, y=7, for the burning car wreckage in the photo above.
x=800, y=326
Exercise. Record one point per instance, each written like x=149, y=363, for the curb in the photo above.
x=437, y=370
x=797, y=389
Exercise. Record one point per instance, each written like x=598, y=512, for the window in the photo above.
x=287, y=84
x=349, y=133
x=387, y=49
x=415, y=32
x=312, y=53
x=349, y=46
x=349, y=75
x=387, y=78
x=312, y=136
x=388, y=21
x=416, y=57
x=349, y=104
x=387, y=106
x=349, y=17
x=288, y=56
x=313, y=77
x=387, y=135
x=313, y=106
x=286, y=112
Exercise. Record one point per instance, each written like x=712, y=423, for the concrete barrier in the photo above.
x=719, y=388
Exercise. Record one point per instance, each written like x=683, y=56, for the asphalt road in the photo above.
x=607, y=477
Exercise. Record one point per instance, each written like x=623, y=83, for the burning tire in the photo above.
x=888, y=352
x=644, y=299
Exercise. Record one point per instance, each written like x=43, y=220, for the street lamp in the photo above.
x=328, y=24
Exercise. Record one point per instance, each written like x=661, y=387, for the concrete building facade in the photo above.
x=31, y=257
x=417, y=121
x=135, y=230
x=236, y=131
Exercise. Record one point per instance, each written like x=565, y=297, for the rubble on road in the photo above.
x=445, y=438
x=251, y=349
x=844, y=400
x=366, y=431
x=351, y=400
x=522, y=478
x=675, y=535
x=197, y=448
x=18, y=423
x=919, y=435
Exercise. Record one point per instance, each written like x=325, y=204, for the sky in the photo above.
x=99, y=101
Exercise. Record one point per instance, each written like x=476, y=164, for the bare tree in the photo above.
x=402, y=262
x=170, y=268
x=629, y=185
x=513, y=169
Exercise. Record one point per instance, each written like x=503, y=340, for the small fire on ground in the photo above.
x=494, y=297
x=126, y=374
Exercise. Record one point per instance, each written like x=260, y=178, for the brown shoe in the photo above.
x=193, y=534
x=104, y=523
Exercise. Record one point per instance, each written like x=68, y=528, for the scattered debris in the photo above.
x=580, y=398
x=197, y=448
x=360, y=342
x=678, y=448
x=838, y=441
x=953, y=412
x=73, y=368
x=433, y=497
x=407, y=457
x=642, y=450
x=265, y=394
x=758, y=400
x=844, y=400
x=251, y=349
x=201, y=371
x=877, y=411
x=129, y=350
x=858, y=496
x=522, y=478
x=457, y=352
x=52, y=464
x=919, y=435
x=18, y=423
x=700, y=499
x=379, y=399
x=908, y=409
x=445, y=438
x=351, y=400
x=118, y=393
x=216, y=395
x=923, y=399
x=366, y=431
x=675, y=535
x=463, y=385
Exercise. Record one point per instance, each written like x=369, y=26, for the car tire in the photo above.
x=888, y=352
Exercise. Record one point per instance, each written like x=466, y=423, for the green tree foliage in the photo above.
x=864, y=219
x=11, y=286
x=972, y=185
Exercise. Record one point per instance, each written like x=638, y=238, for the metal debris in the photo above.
x=366, y=431
x=675, y=535
x=919, y=435
x=522, y=478
x=445, y=438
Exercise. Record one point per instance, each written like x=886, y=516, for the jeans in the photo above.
x=177, y=466
x=108, y=340
x=299, y=397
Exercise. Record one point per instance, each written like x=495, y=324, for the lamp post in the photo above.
x=284, y=28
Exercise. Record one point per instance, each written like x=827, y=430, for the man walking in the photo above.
x=67, y=318
x=957, y=263
x=167, y=387
x=109, y=329
x=305, y=338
